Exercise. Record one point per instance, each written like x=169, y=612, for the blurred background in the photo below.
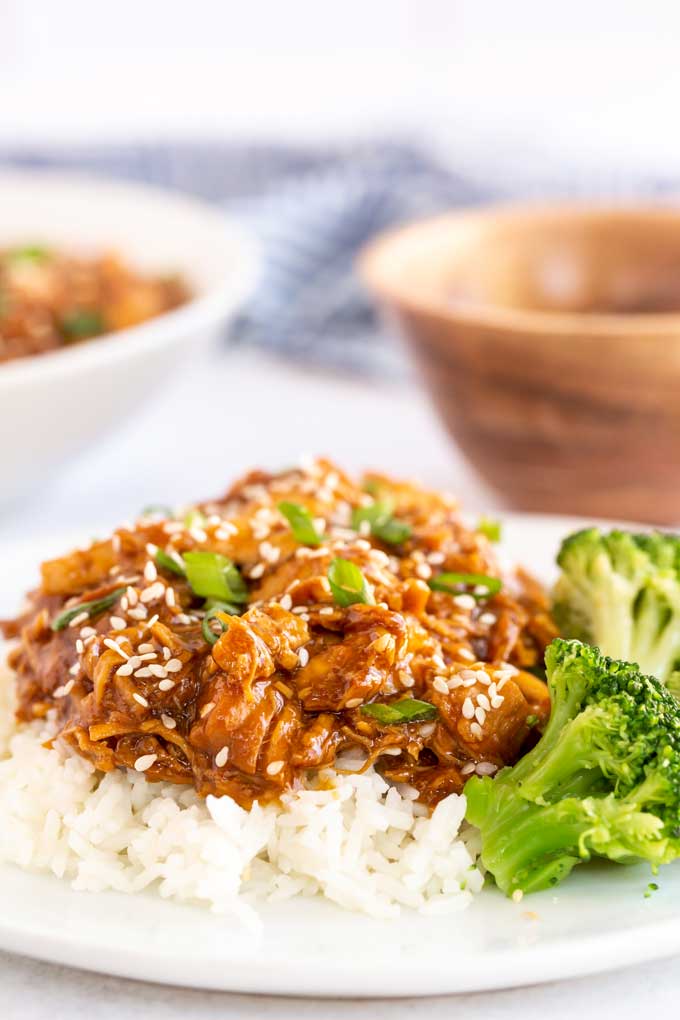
x=316, y=125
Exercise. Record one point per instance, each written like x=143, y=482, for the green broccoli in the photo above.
x=603, y=780
x=621, y=592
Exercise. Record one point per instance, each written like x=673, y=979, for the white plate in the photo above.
x=598, y=919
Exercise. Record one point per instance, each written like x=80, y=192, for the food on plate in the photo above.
x=603, y=780
x=270, y=631
x=621, y=591
x=279, y=692
x=51, y=298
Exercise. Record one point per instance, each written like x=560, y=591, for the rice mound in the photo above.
x=354, y=839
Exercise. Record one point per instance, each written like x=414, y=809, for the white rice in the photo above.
x=359, y=842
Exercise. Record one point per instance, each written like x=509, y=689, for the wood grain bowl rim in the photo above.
x=375, y=269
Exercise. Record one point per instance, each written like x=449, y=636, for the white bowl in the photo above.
x=54, y=404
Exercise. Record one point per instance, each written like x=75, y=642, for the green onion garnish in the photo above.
x=212, y=615
x=82, y=323
x=301, y=523
x=453, y=584
x=91, y=608
x=29, y=253
x=348, y=584
x=194, y=519
x=383, y=525
x=167, y=562
x=531, y=721
x=405, y=711
x=214, y=576
x=156, y=510
x=491, y=528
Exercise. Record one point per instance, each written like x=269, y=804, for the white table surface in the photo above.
x=239, y=409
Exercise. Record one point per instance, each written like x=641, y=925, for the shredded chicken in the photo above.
x=295, y=679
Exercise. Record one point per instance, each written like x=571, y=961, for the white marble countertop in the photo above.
x=359, y=424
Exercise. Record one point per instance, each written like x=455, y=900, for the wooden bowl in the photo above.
x=549, y=338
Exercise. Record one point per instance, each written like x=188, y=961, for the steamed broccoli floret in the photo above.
x=621, y=592
x=603, y=780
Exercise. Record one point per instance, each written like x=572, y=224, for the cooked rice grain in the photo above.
x=351, y=838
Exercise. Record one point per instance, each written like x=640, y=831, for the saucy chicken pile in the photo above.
x=49, y=299
x=259, y=637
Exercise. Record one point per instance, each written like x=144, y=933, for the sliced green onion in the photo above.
x=405, y=711
x=194, y=519
x=214, y=576
x=213, y=614
x=28, y=253
x=383, y=525
x=491, y=528
x=301, y=523
x=93, y=608
x=156, y=510
x=167, y=562
x=348, y=584
x=453, y=584
x=82, y=323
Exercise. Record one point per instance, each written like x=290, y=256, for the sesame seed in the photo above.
x=286, y=601
x=143, y=673
x=134, y=661
x=466, y=654
x=141, y=700
x=464, y=601
x=124, y=670
x=168, y=721
x=483, y=702
x=468, y=709
x=62, y=691
x=146, y=646
x=326, y=611
x=454, y=683
x=147, y=657
x=153, y=592
x=269, y=552
x=75, y=669
x=436, y=558
x=483, y=677
x=353, y=702
x=166, y=685
x=476, y=730
x=362, y=544
x=138, y=613
x=166, y=652
x=153, y=620
x=407, y=681
x=480, y=716
x=80, y=647
x=115, y=647
x=427, y=729
x=221, y=757
x=131, y=596
x=303, y=656
x=440, y=685
x=150, y=572
x=468, y=674
x=424, y=571
x=173, y=665
x=144, y=762
x=438, y=662
x=151, y=549
x=86, y=632
x=207, y=708
x=80, y=618
x=365, y=529
x=497, y=700
x=118, y=623
x=486, y=768
x=274, y=768
x=487, y=619
x=391, y=750
x=157, y=671
x=257, y=571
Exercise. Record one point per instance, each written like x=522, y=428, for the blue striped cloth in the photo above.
x=313, y=209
